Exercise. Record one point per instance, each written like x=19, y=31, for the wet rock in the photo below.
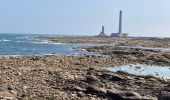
x=164, y=95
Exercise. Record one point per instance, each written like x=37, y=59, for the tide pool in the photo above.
x=143, y=70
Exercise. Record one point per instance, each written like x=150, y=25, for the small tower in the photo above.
x=102, y=34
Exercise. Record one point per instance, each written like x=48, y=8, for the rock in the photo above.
x=107, y=75
x=5, y=95
x=34, y=58
x=92, y=79
x=3, y=87
x=124, y=95
x=80, y=94
x=111, y=76
x=116, y=78
x=77, y=88
x=13, y=92
x=120, y=52
x=113, y=94
x=131, y=95
x=96, y=90
x=164, y=95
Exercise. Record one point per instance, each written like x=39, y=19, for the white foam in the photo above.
x=4, y=40
x=46, y=42
x=22, y=37
x=19, y=41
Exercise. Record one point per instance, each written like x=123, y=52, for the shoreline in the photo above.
x=83, y=77
x=132, y=41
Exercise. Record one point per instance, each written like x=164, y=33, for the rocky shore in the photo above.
x=85, y=77
x=147, y=56
x=145, y=42
x=74, y=78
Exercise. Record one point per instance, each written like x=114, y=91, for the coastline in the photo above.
x=62, y=77
x=131, y=41
x=84, y=77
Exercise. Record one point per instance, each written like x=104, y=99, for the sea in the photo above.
x=27, y=44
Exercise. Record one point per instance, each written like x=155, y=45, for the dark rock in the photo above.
x=80, y=94
x=34, y=58
x=106, y=75
x=77, y=63
x=131, y=95
x=151, y=50
x=114, y=94
x=121, y=52
x=116, y=78
x=91, y=79
x=124, y=95
x=111, y=76
x=96, y=90
x=164, y=95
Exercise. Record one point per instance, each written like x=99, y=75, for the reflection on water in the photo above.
x=141, y=69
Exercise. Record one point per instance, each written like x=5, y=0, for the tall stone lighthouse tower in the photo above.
x=120, y=23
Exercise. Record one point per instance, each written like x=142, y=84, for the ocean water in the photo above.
x=26, y=44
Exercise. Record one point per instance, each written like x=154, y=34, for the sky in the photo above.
x=85, y=17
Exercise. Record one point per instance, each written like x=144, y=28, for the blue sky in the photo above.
x=85, y=17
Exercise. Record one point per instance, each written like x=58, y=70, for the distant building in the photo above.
x=125, y=35
x=119, y=34
x=115, y=35
x=102, y=33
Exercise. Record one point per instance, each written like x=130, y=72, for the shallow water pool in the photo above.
x=143, y=70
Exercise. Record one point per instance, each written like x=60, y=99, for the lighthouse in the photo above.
x=120, y=23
